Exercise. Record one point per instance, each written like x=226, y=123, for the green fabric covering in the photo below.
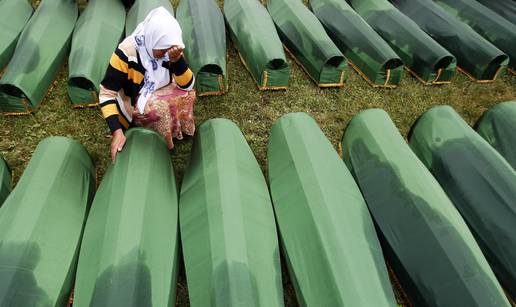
x=228, y=233
x=477, y=57
x=425, y=239
x=307, y=41
x=40, y=53
x=428, y=61
x=204, y=35
x=481, y=184
x=367, y=52
x=505, y=8
x=129, y=252
x=333, y=255
x=140, y=10
x=99, y=29
x=254, y=35
x=41, y=224
x=498, y=127
x=14, y=15
x=6, y=182
x=485, y=22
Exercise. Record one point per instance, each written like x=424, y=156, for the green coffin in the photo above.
x=306, y=40
x=129, y=252
x=41, y=224
x=140, y=10
x=498, y=127
x=423, y=57
x=476, y=57
x=365, y=50
x=504, y=8
x=6, y=182
x=14, y=15
x=204, y=35
x=228, y=233
x=254, y=35
x=41, y=51
x=481, y=184
x=425, y=239
x=333, y=254
x=487, y=23
x=97, y=33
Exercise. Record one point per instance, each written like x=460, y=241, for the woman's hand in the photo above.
x=117, y=143
x=175, y=53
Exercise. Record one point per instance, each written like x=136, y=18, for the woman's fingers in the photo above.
x=113, y=152
x=117, y=143
x=175, y=52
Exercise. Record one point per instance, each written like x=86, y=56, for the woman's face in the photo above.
x=159, y=53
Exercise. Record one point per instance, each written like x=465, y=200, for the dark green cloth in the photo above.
x=14, y=15
x=41, y=225
x=425, y=239
x=204, y=35
x=41, y=51
x=229, y=238
x=252, y=31
x=498, y=127
x=129, y=254
x=478, y=180
x=480, y=59
x=307, y=41
x=367, y=52
x=96, y=36
x=485, y=22
x=328, y=237
x=428, y=61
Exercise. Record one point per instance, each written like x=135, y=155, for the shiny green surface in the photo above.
x=498, y=127
x=305, y=37
x=253, y=32
x=129, y=252
x=477, y=179
x=41, y=224
x=475, y=55
x=228, y=233
x=423, y=56
x=487, y=23
x=204, y=35
x=504, y=8
x=361, y=45
x=41, y=51
x=327, y=233
x=425, y=238
x=97, y=33
x=14, y=15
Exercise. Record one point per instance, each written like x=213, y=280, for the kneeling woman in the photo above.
x=148, y=82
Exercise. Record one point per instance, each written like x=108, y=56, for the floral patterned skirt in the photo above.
x=169, y=112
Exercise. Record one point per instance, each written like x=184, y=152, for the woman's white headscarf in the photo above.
x=159, y=30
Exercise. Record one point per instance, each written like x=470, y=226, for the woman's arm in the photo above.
x=183, y=75
x=114, y=78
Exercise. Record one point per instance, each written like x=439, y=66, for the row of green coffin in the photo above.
x=377, y=43
x=37, y=46
x=332, y=229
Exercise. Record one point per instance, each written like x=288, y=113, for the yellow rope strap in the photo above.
x=340, y=84
x=480, y=81
x=371, y=83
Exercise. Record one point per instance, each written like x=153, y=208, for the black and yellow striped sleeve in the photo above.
x=116, y=75
x=183, y=74
x=117, y=71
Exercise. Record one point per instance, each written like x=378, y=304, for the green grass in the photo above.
x=254, y=112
